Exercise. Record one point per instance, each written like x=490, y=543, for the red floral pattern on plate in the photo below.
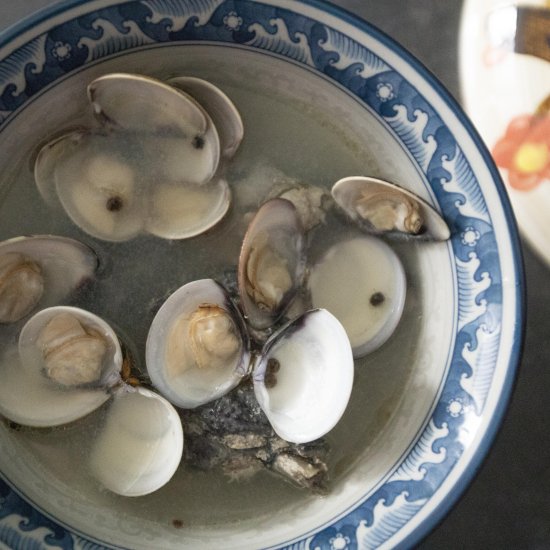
x=524, y=151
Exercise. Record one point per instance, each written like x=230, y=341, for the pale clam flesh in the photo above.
x=72, y=352
x=21, y=286
x=271, y=263
x=381, y=207
x=66, y=361
x=40, y=271
x=197, y=348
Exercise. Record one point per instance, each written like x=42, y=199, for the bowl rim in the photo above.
x=29, y=23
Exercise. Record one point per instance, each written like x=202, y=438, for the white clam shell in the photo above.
x=351, y=191
x=173, y=361
x=64, y=263
x=29, y=397
x=181, y=211
x=271, y=262
x=140, y=446
x=142, y=104
x=217, y=104
x=314, y=379
x=89, y=177
x=362, y=282
x=46, y=161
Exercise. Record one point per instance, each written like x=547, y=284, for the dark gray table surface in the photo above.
x=508, y=503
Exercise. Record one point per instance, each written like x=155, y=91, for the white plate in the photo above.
x=502, y=91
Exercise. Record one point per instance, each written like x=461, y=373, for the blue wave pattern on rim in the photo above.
x=111, y=30
x=23, y=527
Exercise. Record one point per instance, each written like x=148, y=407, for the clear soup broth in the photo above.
x=299, y=125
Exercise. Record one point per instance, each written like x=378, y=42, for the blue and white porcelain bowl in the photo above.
x=324, y=95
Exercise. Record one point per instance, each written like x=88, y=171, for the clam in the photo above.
x=181, y=211
x=67, y=364
x=140, y=444
x=40, y=270
x=197, y=348
x=221, y=109
x=304, y=376
x=149, y=108
x=271, y=263
x=362, y=282
x=98, y=186
x=21, y=286
x=67, y=361
x=149, y=168
x=378, y=206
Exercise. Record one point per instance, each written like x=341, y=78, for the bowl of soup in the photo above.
x=260, y=283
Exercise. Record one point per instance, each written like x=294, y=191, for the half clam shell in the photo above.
x=362, y=282
x=271, y=263
x=217, y=104
x=66, y=362
x=197, y=348
x=304, y=376
x=140, y=445
x=378, y=206
x=40, y=270
x=141, y=104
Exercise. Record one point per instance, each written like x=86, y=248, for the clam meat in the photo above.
x=40, y=271
x=271, y=263
x=378, y=206
x=197, y=347
x=21, y=286
x=64, y=367
x=311, y=202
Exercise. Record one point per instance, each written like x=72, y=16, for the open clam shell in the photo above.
x=378, y=206
x=66, y=362
x=47, y=159
x=98, y=186
x=271, y=263
x=143, y=105
x=304, y=376
x=140, y=445
x=40, y=270
x=181, y=211
x=197, y=348
x=149, y=168
x=221, y=109
x=362, y=282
